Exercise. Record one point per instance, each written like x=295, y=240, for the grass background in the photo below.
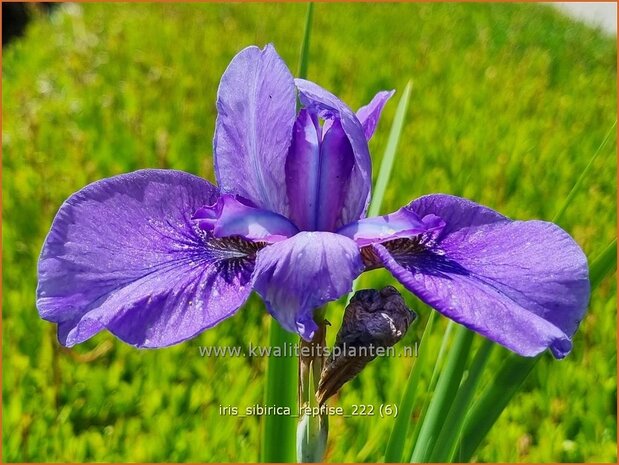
x=509, y=103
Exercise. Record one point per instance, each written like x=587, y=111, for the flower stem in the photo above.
x=278, y=430
x=313, y=428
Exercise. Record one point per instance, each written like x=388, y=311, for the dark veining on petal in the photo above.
x=402, y=248
x=232, y=247
x=232, y=256
x=370, y=258
x=406, y=246
x=423, y=254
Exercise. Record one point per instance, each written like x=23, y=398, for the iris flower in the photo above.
x=158, y=256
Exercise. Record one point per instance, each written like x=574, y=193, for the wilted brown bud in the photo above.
x=372, y=319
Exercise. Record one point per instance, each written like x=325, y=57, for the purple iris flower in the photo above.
x=158, y=256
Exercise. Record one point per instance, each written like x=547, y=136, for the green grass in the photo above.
x=509, y=103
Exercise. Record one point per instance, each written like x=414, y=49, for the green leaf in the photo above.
x=441, y=354
x=304, y=56
x=577, y=186
x=493, y=400
x=447, y=439
x=402, y=421
x=436, y=369
x=386, y=166
x=604, y=264
x=443, y=395
x=279, y=431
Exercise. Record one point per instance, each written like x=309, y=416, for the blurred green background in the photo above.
x=509, y=103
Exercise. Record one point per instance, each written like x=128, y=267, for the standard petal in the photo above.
x=399, y=224
x=370, y=114
x=336, y=168
x=256, y=107
x=357, y=191
x=303, y=171
x=318, y=173
x=300, y=274
x=523, y=284
x=230, y=216
x=123, y=254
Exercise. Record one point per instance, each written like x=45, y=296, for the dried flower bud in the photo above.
x=372, y=319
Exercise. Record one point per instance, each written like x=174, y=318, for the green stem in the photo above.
x=312, y=429
x=278, y=441
x=311, y=432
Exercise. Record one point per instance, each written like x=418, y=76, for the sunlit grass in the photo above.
x=509, y=103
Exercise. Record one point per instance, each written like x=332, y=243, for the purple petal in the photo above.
x=298, y=275
x=256, y=107
x=370, y=114
x=336, y=164
x=229, y=216
x=318, y=173
x=303, y=171
x=523, y=284
x=124, y=254
x=356, y=193
x=402, y=223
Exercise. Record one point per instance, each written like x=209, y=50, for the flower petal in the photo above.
x=229, y=216
x=357, y=191
x=523, y=284
x=402, y=223
x=303, y=171
x=298, y=275
x=370, y=114
x=336, y=164
x=256, y=107
x=318, y=173
x=124, y=254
